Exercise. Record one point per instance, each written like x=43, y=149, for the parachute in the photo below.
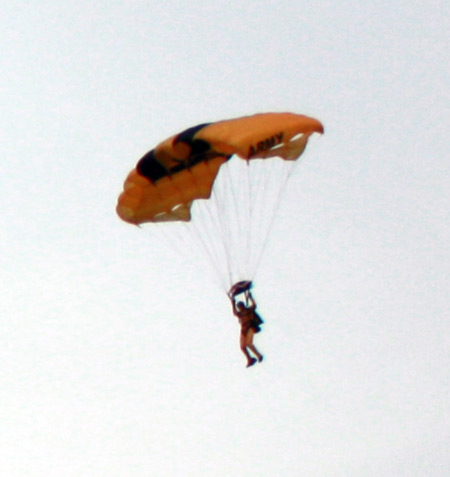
x=227, y=204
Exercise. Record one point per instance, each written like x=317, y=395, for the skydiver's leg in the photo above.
x=250, y=361
x=249, y=344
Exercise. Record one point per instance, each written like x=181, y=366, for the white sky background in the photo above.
x=119, y=358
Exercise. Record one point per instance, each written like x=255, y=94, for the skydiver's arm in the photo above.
x=252, y=301
x=233, y=304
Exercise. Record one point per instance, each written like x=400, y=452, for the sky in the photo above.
x=118, y=354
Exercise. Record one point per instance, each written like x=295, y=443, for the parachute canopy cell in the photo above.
x=183, y=168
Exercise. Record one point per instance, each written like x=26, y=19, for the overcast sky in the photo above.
x=118, y=355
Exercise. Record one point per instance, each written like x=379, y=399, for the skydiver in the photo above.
x=250, y=323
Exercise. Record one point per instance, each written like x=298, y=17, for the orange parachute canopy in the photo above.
x=183, y=168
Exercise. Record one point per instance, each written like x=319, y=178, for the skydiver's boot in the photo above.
x=251, y=362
